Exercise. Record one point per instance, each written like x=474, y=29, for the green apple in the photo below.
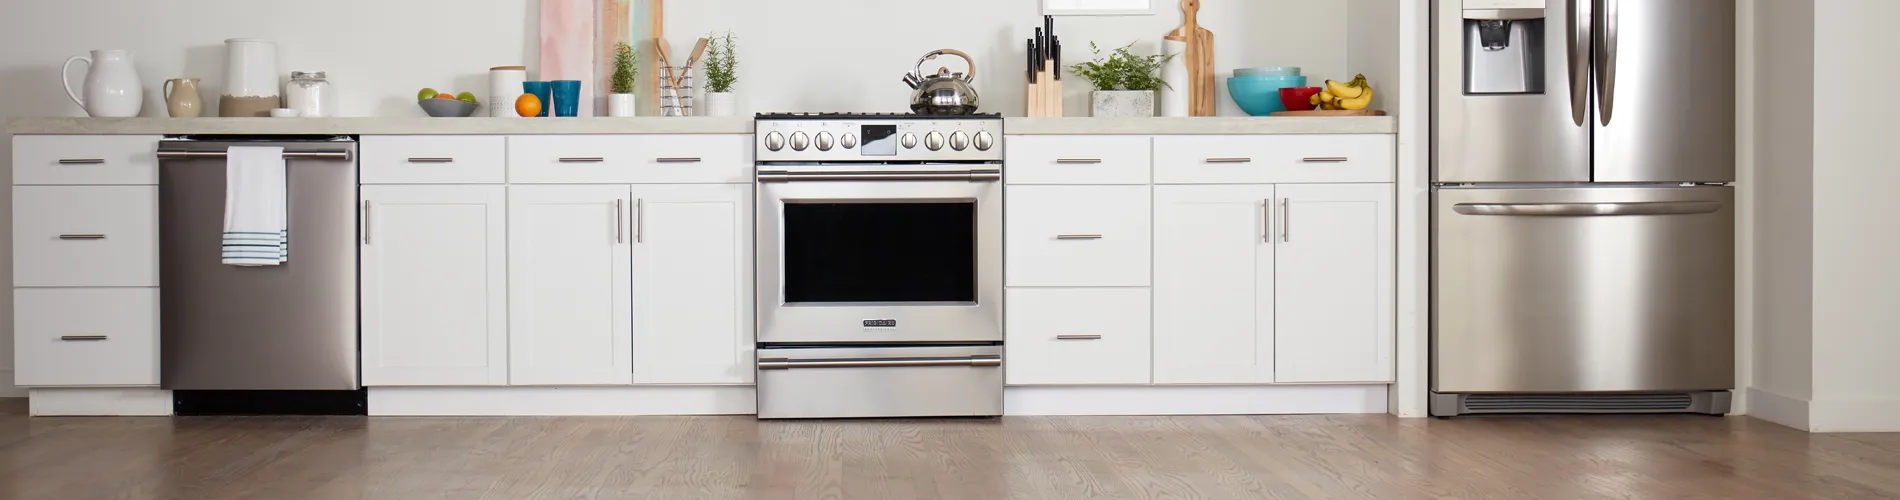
x=466, y=97
x=426, y=94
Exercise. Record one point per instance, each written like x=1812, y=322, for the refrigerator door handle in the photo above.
x=1606, y=59
x=1579, y=42
x=1588, y=209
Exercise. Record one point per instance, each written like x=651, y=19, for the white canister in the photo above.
x=250, y=68
x=310, y=94
x=112, y=84
x=504, y=86
x=1174, y=95
x=720, y=104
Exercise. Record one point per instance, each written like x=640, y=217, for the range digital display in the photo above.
x=879, y=140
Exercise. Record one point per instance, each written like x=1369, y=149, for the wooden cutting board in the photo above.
x=1340, y=112
x=1199, y=58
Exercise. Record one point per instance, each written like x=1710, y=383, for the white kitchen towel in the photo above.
x=256, y=208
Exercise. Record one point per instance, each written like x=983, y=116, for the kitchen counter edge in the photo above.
x=1201, y=126
x=377, y=126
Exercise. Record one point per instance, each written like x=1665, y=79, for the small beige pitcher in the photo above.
x=181, y=98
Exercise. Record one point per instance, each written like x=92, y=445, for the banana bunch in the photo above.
x=1354, y=95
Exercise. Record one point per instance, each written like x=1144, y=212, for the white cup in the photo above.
x=283, y=113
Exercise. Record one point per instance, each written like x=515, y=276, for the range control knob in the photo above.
x=824, y=141
x=909, y=140
x=933, y=140
x=849, y=141
x=774, y=141
x=800, y=141
x=985, y=141
x=959, y=141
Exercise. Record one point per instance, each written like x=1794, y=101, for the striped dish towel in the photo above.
x=256, y=208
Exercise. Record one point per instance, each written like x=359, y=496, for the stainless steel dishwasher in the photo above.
x=291, y=327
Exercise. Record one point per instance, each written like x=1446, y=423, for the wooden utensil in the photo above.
x=699, y=49
x=1336, y=112
x=665, y=51
x=1200, y=60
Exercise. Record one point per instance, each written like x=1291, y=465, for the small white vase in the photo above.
x=112, y=84
x=720, y=104
x=1122, y=104
x=1174, y=95
x=619, y=105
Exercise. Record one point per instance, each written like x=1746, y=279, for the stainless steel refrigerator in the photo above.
x=1582, y=217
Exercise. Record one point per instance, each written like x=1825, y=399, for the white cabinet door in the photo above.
x=1077, y=236
x=569, y=312
x=435, y=294
x=1213, y=284
x=1335, y=283
x=692, y=284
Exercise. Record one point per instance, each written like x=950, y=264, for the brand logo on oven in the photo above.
x=880, y=323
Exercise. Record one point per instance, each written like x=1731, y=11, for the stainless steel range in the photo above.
x=880, y=265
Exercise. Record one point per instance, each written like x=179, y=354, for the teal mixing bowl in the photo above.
x=1259, y=95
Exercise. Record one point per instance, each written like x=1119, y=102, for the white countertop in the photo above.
x=697, y=125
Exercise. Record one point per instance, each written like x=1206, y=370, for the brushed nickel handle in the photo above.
x=1078, y=337
x=431, y=160
x=1588, y=209
x=82, y=236
x=676, y=160
x=1579, y=46
x=82, y=338
x=1286, y=220
x=787, y=364
x=1078, y=236
x=979, y=175
x=1266, y=221
x=1078, y=161
x=1230, y=160
x=1605, y=53
x=82, y=161
x=1325, y=159
x=620, y=220
x=639, y=220
x=366, y=221
x=583, y=159
x=315, y=154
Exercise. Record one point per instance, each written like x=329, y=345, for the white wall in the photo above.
x=1784, y=211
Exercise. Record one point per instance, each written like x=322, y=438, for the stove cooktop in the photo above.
x=829, y=115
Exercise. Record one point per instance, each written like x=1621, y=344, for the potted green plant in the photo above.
x=722, y=64
x=620, y=103
x=1125, y=83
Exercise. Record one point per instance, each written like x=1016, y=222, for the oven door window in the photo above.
x=880, y=252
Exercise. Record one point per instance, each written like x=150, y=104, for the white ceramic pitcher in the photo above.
x=112, y=84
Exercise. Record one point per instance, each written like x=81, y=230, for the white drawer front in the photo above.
x=435, y=159
x=1274, y=159
x=1078, y=336
x=1077, y=236
x=85, y=236
x=1100, y=159
x=86, y=336
x=85, y=159
x=642, y=159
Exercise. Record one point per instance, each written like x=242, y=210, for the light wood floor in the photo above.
x=1298, y=457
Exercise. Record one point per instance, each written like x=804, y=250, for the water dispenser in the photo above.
x=1504, y=46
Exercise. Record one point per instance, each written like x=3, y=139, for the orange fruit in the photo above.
x=529, y=105
x=445, y=96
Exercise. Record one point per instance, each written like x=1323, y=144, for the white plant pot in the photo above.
x=1122, y=104
x=721, y=104
x=620, y=105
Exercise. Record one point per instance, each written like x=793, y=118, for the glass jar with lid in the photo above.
x=310, y=94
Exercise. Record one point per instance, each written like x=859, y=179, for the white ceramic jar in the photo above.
x=310, y=94
x=112, y=84
x=251, y=83
x=504, y=86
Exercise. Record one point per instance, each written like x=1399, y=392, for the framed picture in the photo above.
x=1098, y=7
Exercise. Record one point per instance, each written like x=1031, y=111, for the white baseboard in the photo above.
x=1854, y=415
x=7, y=389
x=99, y=402
x=1778, y=408
x=561, y=401
x=1195, y=400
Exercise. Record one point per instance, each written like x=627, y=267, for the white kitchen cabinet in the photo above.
x=1334, y=304
x=1077, y=236
x=435, y=294
x=1078, y=336
x=569, y=310
x=1213, y=284
x=85, y=337
x=692, y=284
x=71, y=236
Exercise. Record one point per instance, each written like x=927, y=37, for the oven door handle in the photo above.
x=988, y=175
x=788, y=364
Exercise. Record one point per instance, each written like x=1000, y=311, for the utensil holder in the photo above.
x=676, y=94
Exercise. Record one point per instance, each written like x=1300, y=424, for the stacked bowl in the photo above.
x=1257, y=90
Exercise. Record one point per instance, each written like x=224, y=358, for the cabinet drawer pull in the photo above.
x=583, y=159
x=676, y=160
x=82, y=236
x=82, y=338
x=1078, y=236
x=82, y=161
x=1325, y=159
x=1078, y=337
x=1078, y=161
x=1230, y=160
x=431, y=160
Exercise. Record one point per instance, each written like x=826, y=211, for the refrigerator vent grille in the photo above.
x=1579, y=403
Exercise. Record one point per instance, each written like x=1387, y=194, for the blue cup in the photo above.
x=543, y=91
x=567, y=98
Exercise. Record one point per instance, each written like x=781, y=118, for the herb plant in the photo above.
x=722, y=63
x=624, y=68
x=1123, y=70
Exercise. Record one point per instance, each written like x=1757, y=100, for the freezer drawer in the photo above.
x=852, y=382
x=1599, y=289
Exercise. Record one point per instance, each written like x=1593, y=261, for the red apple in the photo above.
x=1299, y=98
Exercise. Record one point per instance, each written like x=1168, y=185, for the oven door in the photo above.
x=858, y=255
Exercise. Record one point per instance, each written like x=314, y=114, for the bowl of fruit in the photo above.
x=445, y=105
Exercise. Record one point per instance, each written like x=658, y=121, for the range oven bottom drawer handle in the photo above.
x=787, y=364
